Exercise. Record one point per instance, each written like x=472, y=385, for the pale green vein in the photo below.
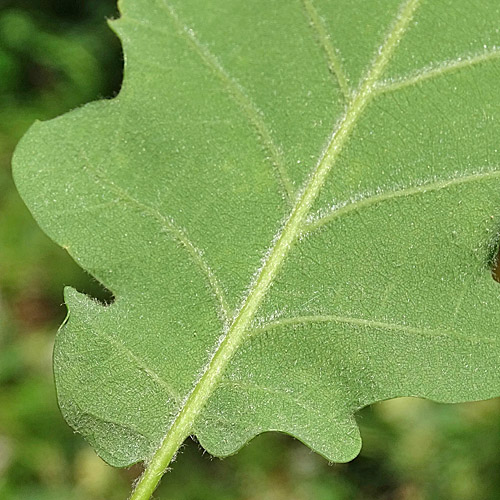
x=324, y=38
x=141, y=365
x=80, y=422
x=366, y=323
x=420, y=189
x=178, y=234
x=237, y=93
x=347, y=320
x=436, y=71
x=271, y=390
x=183, y=424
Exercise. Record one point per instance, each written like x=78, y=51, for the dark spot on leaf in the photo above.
x=494, y=258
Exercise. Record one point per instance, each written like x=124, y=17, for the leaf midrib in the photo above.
x=183, y=424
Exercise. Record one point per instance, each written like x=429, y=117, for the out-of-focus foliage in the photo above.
x=54, y=56
x=50, y=61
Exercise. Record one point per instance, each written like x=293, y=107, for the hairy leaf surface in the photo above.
x=305, y=191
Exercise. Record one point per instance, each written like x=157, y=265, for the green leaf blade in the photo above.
x=290, y=233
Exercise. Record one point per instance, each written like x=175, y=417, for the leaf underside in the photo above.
x=173, y=194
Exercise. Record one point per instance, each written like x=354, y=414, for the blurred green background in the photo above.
x=56, y=55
